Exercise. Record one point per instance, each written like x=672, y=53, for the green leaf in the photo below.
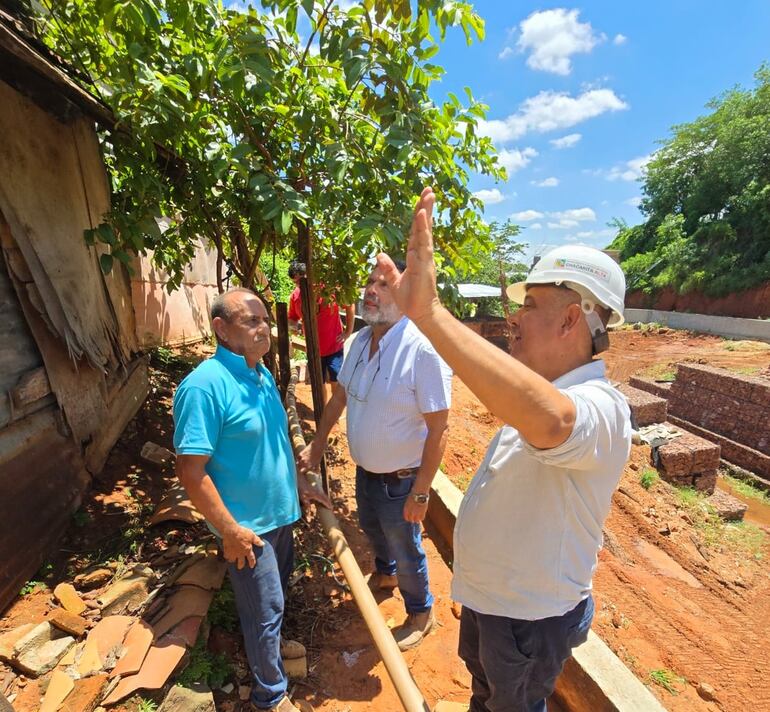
x=105, y=261
x=286, y=222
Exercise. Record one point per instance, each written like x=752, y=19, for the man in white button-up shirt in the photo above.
x=397, y=391
x=529, y=527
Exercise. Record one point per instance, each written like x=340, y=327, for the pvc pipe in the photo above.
x=406, y=688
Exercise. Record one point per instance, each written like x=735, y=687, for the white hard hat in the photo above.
x=595, y=276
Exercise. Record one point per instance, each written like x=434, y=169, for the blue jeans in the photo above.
x=514, y=663
x=397, y=543
x=259, y=597
x=331, y=365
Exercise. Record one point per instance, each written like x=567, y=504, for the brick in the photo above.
x=705, y=481
x=68, y=622
x=646, y=408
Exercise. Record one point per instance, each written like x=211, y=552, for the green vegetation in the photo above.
x=38, y=582
x=648, y=478
x=502, y=265
x=275, y=266
x=222, y=612
x=146, y=705
x=741, y=538
x=205, y=666
x=664, y=372
x=667, y=679
x=746, y=489
x=238, y=130
x=707, y=202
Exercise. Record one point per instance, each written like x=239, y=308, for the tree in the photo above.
x=239, y=130
x=707, y=202
x=500, y=264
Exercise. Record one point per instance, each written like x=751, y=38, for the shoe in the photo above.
x=382, y=582
x=292, y=649
x=414, y=629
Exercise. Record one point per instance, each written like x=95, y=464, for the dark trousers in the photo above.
x=514, y=663
x=259, y=597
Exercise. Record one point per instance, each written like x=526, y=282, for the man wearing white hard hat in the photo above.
x=530, y=524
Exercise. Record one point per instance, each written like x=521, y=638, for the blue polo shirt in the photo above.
x=233, y=414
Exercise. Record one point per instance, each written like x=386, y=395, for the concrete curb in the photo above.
x=727, y=326
x=594, y=679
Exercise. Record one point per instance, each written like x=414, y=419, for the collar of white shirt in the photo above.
x=587, y=372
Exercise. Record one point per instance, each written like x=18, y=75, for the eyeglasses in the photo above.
x=357, y=394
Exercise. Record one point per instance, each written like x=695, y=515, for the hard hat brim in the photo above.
x=517, y=292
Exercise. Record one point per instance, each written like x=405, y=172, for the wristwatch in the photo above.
x=420, y=498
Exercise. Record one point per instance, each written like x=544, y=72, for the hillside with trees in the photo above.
x=706, y=203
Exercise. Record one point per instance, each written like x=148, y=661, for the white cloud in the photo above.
x=514, y=159
x=559, y=219
x=553, y=36
x=563, y=224
x=547, y=183
x=505, y=53
x=535, y=226
x=633, y=202
x=567, y=141
x=580, y=214
x=550, y=111
x=592, y=235
x=619, y=39
x=490, y=197
x=630, y=170
x=527, y=215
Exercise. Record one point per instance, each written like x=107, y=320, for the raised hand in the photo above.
x=415, y=289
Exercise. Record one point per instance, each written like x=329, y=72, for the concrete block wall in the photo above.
x=729, y=404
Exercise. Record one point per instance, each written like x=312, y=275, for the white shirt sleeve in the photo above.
x=599, y=428
x=432, y=381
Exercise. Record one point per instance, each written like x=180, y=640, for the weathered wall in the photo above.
x=179, y=317
x=70, y=377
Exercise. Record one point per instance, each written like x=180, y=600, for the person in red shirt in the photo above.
x=331, y=337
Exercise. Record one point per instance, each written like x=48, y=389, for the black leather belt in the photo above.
x=395, y=475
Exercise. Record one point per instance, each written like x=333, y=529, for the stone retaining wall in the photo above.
x=646, y=408
x=729, y=404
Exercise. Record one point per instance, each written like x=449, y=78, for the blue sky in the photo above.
x=579, y=95
x=610, y=77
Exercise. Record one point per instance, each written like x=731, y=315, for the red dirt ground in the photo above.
x=664, y=600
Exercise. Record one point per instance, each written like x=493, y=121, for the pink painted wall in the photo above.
x=179, y=317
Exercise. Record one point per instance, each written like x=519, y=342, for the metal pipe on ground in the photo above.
x=406, y=688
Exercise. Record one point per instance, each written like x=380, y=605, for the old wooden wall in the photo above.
x=70, y=374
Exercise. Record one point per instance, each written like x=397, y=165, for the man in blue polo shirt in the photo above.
x=235, y=460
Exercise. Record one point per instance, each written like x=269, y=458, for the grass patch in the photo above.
x=213, y=669
x=740, y=538
x=648, y=478
x=146, y=705
x=667, y=679
x=746, y=489
x=662, y=372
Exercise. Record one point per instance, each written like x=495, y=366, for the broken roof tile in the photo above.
x=136, y=644
x=162, y=659
x=206, y=573
x=59, y=687
x=187, y=631
x=176, y=505
x=66, y=594
x=186, y=601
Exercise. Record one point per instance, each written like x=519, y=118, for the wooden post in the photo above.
x=284, y=363
x=310, y=325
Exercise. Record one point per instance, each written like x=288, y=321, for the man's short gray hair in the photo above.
x=221, y=305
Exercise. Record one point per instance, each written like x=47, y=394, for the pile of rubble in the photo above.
x=115, y=632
